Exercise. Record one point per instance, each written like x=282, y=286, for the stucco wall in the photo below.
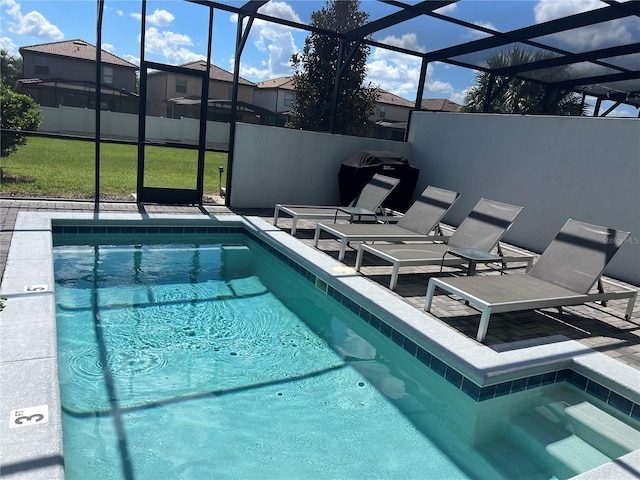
x=583, y=168
x=280, y=165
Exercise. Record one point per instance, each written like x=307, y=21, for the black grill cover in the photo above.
x=356, y=172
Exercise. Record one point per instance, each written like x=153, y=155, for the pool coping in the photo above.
x=28, y=351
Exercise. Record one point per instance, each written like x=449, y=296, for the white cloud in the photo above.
x=108, y=47
x=171, y=46
x=32, y=23
x=396, y=72
x=400, y=79
x=452, y=7
x=7, y=44
x=276, y=43
x=161, y=18
x=132, y=59
x=408, y=41
x=614, y=32
x=546, y=10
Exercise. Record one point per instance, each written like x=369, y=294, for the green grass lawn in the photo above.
x=57, y=168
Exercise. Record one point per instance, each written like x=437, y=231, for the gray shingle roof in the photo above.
x=78, y=49
x=216, y=73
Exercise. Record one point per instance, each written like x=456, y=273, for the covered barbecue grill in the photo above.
x=358, y=170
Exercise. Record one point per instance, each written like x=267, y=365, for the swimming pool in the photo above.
x=488, y=378
x=203, y=360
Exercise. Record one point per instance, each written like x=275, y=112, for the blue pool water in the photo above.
x=215, y=360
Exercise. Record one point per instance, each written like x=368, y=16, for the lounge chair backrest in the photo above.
x=483, y=228
x=425, y=213
x=578, y=255
x=375, y=192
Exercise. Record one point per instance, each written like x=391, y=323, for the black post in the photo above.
x=142, y=104
x=241, y=40
x=100, y=6
x=423, y=78
x=204, y=109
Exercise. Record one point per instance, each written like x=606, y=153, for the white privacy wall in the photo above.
x=281, y=165
x=557, y=168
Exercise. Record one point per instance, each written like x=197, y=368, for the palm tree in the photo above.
x=516, y=95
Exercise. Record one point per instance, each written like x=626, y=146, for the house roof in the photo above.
x=78, y=49
x=440, y=105
x=216, y=73
x=389, y=98
x=284, y=83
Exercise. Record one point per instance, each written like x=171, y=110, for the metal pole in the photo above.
x=204, y=109
x=423, y=79
x=142, y=105
x=100, y=5
x=241, y=40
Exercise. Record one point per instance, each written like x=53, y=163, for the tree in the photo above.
x=19, y=112
x=315, y=74
x=516, y=95
x=10, y=69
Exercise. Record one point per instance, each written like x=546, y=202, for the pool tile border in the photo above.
x=455, y=378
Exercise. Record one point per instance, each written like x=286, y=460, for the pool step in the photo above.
x=603, y=431
x=572, y=435
x=565, y=453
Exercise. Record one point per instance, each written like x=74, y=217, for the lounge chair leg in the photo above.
x=294, y=225
x=431, y=289
x=359, y=258
x=275, y=216
x=394, y=276
x=484, y=324
x=343, y=248
x=630, y=304
x=316, y=237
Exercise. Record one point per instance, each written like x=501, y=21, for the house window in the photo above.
x=288, y=99
x=107, y=75
x=181, y=84
x=42, y=66
x=382, y=111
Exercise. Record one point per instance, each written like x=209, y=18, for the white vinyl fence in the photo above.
x=82, y=121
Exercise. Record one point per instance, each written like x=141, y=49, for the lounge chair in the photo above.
x=421, y=218
x=563, y=275
x=368, y=203
x=471, y=242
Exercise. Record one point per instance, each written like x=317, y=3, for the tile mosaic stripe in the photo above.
x=457, y=379
x=69, y=229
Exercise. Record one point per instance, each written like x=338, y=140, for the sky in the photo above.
x=176, y=33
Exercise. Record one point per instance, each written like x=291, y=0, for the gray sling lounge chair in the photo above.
x=474, y=238
x=420, y=219
x=370, y=200
x=563, y=275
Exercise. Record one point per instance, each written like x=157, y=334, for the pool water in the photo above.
x=214, y=360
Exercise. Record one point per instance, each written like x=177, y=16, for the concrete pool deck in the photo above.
x=28, y=351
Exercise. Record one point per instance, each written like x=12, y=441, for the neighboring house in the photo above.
x=175, y=95
x=391, y=116
x=64, y=73
x=440, y=105
x=276, y=95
